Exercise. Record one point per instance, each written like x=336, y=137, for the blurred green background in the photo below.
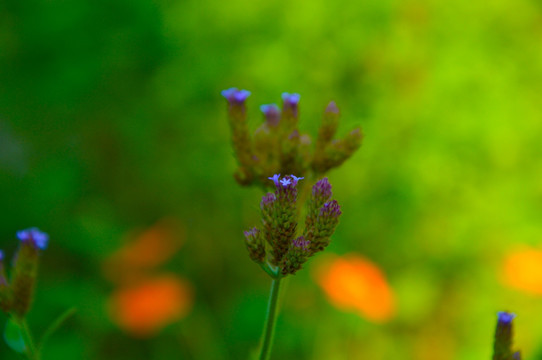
x=111, y=119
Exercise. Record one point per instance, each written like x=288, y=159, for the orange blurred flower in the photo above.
x=354, y=283
x=145, y=308
x=522, y=269
x=145, y=250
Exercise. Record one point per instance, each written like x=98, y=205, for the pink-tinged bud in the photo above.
x=25, y=269
x=255, y=245
x=298, y=253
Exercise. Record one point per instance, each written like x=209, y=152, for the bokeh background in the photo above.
x=114, y=140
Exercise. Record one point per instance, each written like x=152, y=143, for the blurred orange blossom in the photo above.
x=145, y=308
x=352, y=282
x=522, y=270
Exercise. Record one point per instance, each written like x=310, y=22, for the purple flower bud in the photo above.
x=516, y=355
x=291, y=99
x=290, y=105
x=294, y=135
x=251, y=233
x=233, y=95
x=271, y=113
x=267, y=200
x=505, y=317
x=35, y=237
x=255, y=246
x=331, y=209
x=322, y=189
x=332, y=108
x=275, y=179
x=300, y=242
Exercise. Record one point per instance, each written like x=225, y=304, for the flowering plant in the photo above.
x=17, y=294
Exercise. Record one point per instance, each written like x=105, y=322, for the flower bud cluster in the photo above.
x=504, y=338
x=277, y=146
x=277, y=244
x=16, y=295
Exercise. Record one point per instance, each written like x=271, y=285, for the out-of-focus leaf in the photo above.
x=14, y=336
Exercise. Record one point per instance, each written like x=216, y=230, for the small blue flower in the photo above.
x=285, y=182
x=275, y=179
x=35, y=236
x=270, y=109
x=236, y=96
x=291, y=99
x=505, y=317
x=296, y=179
x=1, y=256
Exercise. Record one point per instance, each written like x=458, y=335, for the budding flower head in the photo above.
x=332, y=108
x=291, y=100
x=255, y=245
x=505, y=317
x=34, y=237
x=322, y=189
x=271, y=113
x=290, y=104
x=331, y=209
x=233, y=95
x=504, y=332
x=25, y=268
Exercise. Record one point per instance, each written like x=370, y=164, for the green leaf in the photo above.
x=14, y=337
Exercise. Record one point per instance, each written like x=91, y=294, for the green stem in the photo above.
x=270, y=320
x=55, y=326
x=27, y=336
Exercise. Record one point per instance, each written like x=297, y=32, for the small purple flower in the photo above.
x=275, y=179
x=285, y=182
x=290, y=104
x=296, y=179
x=35, y=236
x=1, y=256
x=332, y=108
x=271, y=113
x=233, y=95
x=516, y=355
x=291, y=99
x=505, y=317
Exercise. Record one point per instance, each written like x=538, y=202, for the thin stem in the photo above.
x=55, y=326
x=27, y=336
x=270, y=320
